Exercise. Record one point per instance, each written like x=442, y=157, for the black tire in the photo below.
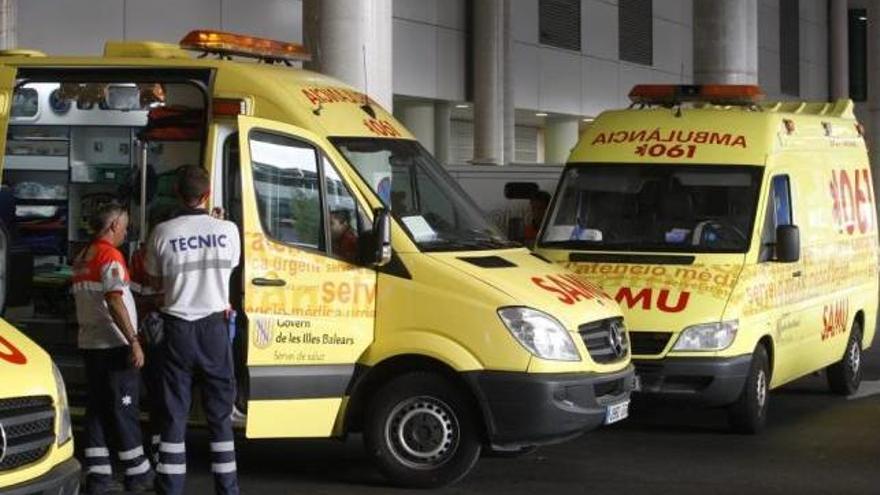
x=421, y=431
x=845, y=376
x=748, y=415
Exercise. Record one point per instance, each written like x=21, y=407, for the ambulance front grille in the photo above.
x=27, y=430
x=605, y=339
x=649, y=343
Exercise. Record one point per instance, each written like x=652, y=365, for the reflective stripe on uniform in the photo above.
x=223, y=446
x=105, y=469
x=97, y=452
x=88, y=287
x=196, y=266
x=223, y=467
x=172, y=448
x=139, y=469
x=130, y=455
x=171, y=468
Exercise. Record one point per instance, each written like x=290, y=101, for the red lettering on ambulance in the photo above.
x=10, y=353
x=568, y=287
x=645, y=298
x=562, y=295
x=625, y=296
x=852, y=202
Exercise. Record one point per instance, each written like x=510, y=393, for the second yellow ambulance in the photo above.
x=740, y=240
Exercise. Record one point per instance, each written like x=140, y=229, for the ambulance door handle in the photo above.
x=268, y=282
x=796, y=274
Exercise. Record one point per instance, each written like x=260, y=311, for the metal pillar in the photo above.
x=351, y=41
x=725, y=41
x=442, y=132
x=8, y=23
x=560, y=136
x=418, y=117
x=493, y=122
x=838, y=31
x=873, y=124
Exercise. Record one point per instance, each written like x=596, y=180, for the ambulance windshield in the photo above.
x=430, y=205
x=680, y=208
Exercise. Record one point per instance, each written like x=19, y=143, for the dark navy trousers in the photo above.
x=197, y=351
x=112, y=413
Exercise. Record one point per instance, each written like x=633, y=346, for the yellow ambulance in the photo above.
x=373, y=296
x=739, y=238
x=36, y=443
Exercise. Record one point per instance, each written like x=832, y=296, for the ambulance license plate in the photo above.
x=617, y=412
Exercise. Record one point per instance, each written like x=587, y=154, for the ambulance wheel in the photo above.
x=845, y=376
x=421, y=431
x=748, y=414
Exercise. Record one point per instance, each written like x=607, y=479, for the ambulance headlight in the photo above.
x=539, y=333
x=707, y=337
x=62, y=408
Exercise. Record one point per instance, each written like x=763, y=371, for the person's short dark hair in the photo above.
x=193, y=183
x=542, y=196
x=342, y=215
x=104, y=214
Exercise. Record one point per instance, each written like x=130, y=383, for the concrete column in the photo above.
x=560, y=136
x=725, y=41
x=838, y=32
x=491, y=41
x=442, y=132
x=418, y=117
x=507, y=88
x=351, y=41
x=8, y=22
x=873, y=124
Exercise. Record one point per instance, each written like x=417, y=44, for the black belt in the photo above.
x=220, y=315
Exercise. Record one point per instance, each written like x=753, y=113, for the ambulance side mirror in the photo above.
x=382, y=236
x=788, y=244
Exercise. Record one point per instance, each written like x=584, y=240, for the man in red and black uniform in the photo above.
x=343, y=236
x=108, y=338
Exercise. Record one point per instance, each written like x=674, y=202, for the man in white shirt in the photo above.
x=190, y=258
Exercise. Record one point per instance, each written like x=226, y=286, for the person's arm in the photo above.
x=119, y=313
x=115, y=280
x=152, y=270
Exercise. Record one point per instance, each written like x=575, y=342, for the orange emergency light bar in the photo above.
x=673, y=94
x=224, y=43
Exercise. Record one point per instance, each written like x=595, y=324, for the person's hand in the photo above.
x=137, y=355
x=218, y=212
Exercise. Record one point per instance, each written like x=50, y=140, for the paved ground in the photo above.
x=815, y=443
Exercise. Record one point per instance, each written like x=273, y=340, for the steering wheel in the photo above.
x=712, y=231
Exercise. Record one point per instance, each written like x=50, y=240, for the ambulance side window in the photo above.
x=778, y=213
x=288, y=189
x=345, y=220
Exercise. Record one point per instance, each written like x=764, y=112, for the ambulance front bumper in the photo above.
x=527, y=409
x=63, y=479
x=704, y=381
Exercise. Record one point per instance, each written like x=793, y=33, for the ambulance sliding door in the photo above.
x=7, y=87
x=310, y=306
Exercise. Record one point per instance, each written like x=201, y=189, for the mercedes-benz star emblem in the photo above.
x=616, y=338
x=2, y=444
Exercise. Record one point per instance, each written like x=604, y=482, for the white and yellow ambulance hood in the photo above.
x=27, y=371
